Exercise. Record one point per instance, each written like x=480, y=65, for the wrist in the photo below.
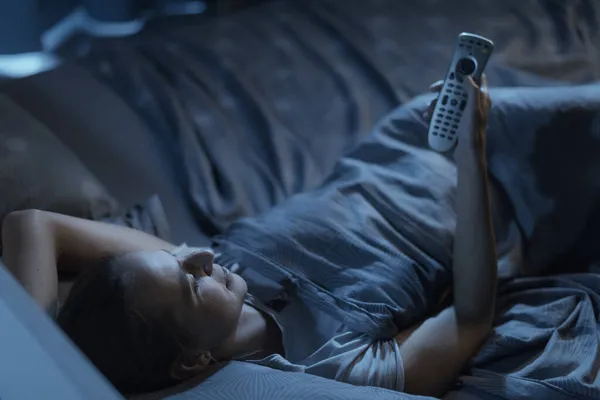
x=470, y=160
x=469, y=155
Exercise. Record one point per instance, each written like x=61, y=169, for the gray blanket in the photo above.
x=374, y=241
x=257, y=106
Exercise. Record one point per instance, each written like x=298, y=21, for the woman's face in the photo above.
x=202, y=298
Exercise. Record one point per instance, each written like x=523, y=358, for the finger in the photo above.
x=473, y=83
x=429, y=112
x=479, y=90
x=474, y=93
x=475, y=100
x=484, y=83
x=484, y=93
x=436, y=86
x=431, y=107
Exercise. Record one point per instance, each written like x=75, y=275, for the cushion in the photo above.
x=60, y=99
x=38, y=171
x=148, y=216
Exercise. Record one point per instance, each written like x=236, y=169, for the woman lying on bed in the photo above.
x=141, y=304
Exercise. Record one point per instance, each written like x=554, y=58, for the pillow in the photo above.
x=148, y=216
x=240, y=380
x=543, y=146
x=38, y=171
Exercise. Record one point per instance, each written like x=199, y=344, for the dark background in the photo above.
x=22, y=22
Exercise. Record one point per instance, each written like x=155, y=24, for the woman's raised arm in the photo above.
x=37, y=244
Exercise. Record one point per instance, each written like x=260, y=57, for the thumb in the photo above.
x=475, y=93
x=473, y=87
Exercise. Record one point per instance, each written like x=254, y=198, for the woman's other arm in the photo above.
x=436, y=352
x=36, y=244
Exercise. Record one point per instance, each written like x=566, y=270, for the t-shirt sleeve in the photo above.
x=350, y=357
x=376, y=363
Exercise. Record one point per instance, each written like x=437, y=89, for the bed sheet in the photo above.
x=254, y=107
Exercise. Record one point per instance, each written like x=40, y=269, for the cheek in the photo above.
x=222, y=308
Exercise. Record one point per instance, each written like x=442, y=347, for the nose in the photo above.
x=199, y=262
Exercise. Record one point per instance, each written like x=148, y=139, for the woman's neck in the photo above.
x=254, y=336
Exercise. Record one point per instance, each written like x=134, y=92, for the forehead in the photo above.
x=153, y=260
x=158, y=278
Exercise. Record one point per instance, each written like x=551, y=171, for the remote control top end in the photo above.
x=474, y=52
x=471, y=55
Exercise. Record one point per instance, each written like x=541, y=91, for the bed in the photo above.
x=255, y=114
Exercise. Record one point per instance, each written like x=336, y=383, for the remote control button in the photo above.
x=445, y=100
x=444, y=129
x=443, y=136
x=449, y=91
x=447, y=123
x=450, y=111
x=466, y=66
x=454, y=126
x=434, y=133
x=450, y=85
x=442, y=109
x=453, y=132
x=448, y=117
x=463, y=105
x=451, y=76
x=456, y=120
x=438, y=121
x=454, y=102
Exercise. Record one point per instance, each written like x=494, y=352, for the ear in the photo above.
x=188, y=365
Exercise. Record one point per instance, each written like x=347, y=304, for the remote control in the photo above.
x=471, y=54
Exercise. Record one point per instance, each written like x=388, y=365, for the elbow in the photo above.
x=18, y=217
x=480, y=312
x=477, y=329
x=16, y=220
x=477, y=320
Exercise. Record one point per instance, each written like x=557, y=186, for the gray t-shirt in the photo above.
x=329, y=350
